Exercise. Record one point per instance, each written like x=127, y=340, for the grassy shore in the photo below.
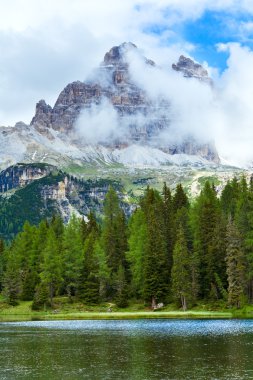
x=63, y=309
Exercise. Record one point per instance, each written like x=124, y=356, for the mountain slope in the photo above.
x=33, y=192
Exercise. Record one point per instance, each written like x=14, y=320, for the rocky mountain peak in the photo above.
x=42, y=115
x=191, y=69
x=117, y=54
x=112, y=81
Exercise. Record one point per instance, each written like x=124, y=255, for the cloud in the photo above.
x=234, y=131
x=99, y=123
x=188, y=100
x=45, y=44
x=221, y=113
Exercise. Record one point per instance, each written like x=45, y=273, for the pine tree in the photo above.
x=229, y=197
x=72, y=248
x=2, y=264
x=181, y=271
x=205, y=217
x=89, y=284
x=51, y=266
x=155, y=266
x=114, y=236
x=121, y=288
x=235, y=261
x=137, y=250
x=104, y=271
x=169, y=224
x=41, y=297
x=180, y=198
x=246, y=228
x=23, y=250
x=12, y=280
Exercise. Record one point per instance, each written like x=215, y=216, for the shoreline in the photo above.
x=45, y=316
x=63, y=310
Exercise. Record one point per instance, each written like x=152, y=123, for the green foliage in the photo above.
x=18, y=208
x=181, y=271
x=114, y=237
x=235, y=260
x=168, y=250
x=71, y=249
x=208, y=228
x=89, y=282
x=12, y=280
x=155, y=265
x=51, y=265
x=137, y=250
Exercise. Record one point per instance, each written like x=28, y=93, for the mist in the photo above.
x=221, y=113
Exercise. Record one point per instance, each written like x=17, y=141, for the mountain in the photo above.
x=62, y=171
x=53, y=137
x=36, y=191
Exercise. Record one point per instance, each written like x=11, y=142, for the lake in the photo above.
x=127, y=350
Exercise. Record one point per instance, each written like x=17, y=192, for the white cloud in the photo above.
x=45, y=44
x=222, y=113
x=99, y=123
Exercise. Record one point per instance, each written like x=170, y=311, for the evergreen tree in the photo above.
x=12, y=279
x=114, y=236
x=247, y=233
x=205, y=217
x=169, y=224
x=229, y=197
x=22, y=249
x=41, y=297
x=2, y=264
x=235, y=260
x=181, y=271
x=155, y=266
x=104, y=271
x=180, y=199
x=51, y=266
x=121, y=288
x=89, y=284
x=72, y=247
x=137, y=250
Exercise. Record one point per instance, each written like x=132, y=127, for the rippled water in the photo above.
x=133, y=350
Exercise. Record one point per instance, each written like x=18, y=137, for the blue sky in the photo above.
x=214, y=28
x=206, y=32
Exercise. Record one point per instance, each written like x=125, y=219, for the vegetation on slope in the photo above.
x=170, y=252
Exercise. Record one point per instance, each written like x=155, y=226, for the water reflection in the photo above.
x=133, y=350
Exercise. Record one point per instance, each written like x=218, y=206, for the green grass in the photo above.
x=63, y=309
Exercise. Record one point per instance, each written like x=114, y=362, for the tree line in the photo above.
x=170, y=250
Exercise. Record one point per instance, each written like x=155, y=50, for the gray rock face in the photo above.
x=113, y=82
x=21, y=175
x=191, y=69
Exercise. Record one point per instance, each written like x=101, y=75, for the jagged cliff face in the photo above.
x=21, y=175
x=114, y=83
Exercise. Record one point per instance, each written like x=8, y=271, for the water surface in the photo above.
x=127, y=349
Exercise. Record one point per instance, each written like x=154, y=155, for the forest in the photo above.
x=171, y=250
